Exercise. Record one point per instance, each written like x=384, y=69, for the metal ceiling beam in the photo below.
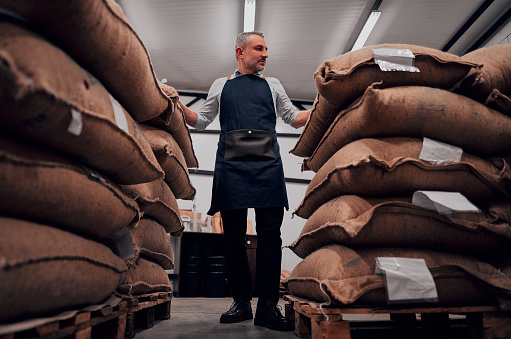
x=376, y=6
x=467, y=25
x=490, y=32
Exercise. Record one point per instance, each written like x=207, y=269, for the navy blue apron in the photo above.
x=246, y=103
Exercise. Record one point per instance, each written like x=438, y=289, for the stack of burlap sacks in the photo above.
x=91, y=146
x=364, y=139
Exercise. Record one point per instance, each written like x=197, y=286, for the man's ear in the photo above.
x=239, y=51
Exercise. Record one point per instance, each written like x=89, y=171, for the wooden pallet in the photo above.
x=143, y=310
x=482, y=322
x=107, y=322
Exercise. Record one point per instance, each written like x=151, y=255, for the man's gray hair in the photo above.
x=243, y=39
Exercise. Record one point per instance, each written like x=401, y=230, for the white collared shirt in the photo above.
x=284, y=108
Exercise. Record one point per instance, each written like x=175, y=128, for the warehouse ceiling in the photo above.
x=191, y=42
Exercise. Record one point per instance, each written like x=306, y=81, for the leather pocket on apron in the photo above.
x=248, y=145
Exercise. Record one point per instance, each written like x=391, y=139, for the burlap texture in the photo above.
x=157, y=201
x=416, y=111
x=343, y=79
x=171, y=159
x=389, y=222
x=176, y=126
x=151, y=241
x=391, y=167
x=320, y=119
x=43, y=97
x=98, y=35
x=347, y=276
x=145, y=277
x=44, y=186
x=495, y=72
x=45, y=269
x=499, y=102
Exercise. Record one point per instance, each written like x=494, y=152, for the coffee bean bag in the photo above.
x=176, y=126
x=391, y=167
x=39, y=184
x=156, y=201
x=171, y=159
x=98, y=36
x=351, y=220
x=417, y=111
x=151, y=241
x=499, y=102
x=145, y=277
x=344, y=78
x=45, y=270
x=49, y=98
x=346, y=277
x=495, y=72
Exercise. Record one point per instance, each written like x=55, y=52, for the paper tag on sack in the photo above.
x=120, y=118
x=439, y=153
x=443, y=202
x=76, y=124
x=407, y=280
x=394, y=59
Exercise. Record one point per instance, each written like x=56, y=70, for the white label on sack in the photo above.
x=120, y=118
x=76, y=124
x=406, y=280
x=394, y=59
x=439, y=153
x=443, y=202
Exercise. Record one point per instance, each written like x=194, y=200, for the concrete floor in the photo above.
x=199, y=318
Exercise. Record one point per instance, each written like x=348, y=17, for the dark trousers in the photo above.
x=268, y=253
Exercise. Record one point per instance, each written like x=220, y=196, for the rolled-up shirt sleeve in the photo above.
x=209, y=110
x=283, y=105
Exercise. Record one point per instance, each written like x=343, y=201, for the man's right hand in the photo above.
x=191, y=117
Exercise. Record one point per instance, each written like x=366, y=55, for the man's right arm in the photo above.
x=191, y=117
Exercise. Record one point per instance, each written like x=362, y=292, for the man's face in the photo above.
x=255, y=54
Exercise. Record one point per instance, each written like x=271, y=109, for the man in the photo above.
x=250, y=175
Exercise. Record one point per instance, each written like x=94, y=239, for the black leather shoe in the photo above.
x=268, y=315
x=239, y=311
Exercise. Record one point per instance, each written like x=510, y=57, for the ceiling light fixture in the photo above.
x=249, y=18
x=368, y=27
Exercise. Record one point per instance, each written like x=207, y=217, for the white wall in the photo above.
x=205, y=145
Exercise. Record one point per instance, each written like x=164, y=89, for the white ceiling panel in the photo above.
x=429, y=23
x=301, y=34
x=191, y=42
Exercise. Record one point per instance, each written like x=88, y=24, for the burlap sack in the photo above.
x=354, y=221
x=347, y=277
x=176, y=126
x=150, y=241
x=494, y=74
x=52, y=100
x=45, y=270
x=171, y=159
x=499, y=102
x=320, y=119
x=157, y=201
x=391, y=167
x=416, y=111
x=97, y=34
x=39, y=184
x=145, y=277
x=343, y=79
